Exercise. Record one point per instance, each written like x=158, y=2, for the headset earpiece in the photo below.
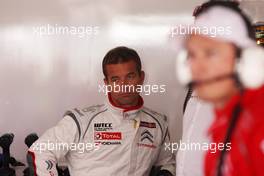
x=250, y=67
x=183, y=69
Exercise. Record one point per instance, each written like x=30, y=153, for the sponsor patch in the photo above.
x=147, y=124
x=103, y=126
x=146, y=140
x=146, y=145
x=108, y=143
x=49, y=164
x=107, y=136
x=146, y=135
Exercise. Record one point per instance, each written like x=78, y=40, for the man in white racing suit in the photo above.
x=118, y=138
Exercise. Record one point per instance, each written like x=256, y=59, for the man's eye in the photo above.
x=131, y=76
x=114, y=79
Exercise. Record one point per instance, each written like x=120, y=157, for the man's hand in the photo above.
x=164, y=173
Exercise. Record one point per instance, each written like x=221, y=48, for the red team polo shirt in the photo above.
x=246, y=154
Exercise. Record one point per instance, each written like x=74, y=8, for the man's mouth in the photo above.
x=124, y=95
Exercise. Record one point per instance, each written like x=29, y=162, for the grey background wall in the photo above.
x=42, y=76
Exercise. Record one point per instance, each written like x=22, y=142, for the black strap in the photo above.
x=235, y=115
x=187, y=98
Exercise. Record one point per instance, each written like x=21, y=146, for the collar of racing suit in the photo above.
x=126, y=113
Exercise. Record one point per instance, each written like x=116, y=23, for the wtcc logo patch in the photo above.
x=108, y=136
x=103, y=126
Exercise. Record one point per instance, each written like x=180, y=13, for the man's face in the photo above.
x=208, y=59
x=124, y=75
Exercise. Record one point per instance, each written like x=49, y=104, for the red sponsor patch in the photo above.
x=147, y=124
x=108, y=136
x=147, y=145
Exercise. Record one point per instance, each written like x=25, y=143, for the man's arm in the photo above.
x=166, y=159
x=51, y=146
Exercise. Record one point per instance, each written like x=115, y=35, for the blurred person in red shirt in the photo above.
x=224, y=65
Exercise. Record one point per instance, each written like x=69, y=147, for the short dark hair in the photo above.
x=233, y=5
x=119, y=55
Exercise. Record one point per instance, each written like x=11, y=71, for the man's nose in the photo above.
x=124, y=81
x=198, y=67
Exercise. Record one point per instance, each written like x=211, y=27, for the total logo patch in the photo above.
x=103, y=126
x=107, y=136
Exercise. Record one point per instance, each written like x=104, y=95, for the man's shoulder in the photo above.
x=83, y=116
x=155, y=117
x=86, y=111
x=154, y=114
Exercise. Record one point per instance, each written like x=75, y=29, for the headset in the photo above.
x=249, y=67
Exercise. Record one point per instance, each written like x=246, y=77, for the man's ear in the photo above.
x=142, y=76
